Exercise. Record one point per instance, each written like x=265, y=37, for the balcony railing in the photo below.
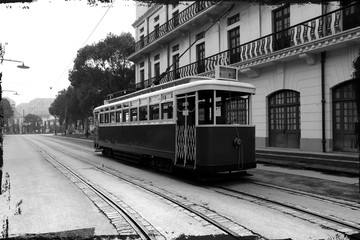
x=316, y=28
x=184, y=16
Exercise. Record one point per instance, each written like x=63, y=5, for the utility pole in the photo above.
x=55, y=125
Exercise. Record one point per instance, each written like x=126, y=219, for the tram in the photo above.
x=197, y=123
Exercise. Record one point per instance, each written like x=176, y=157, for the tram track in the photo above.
x=232, y=229
x=345, y=203
x=126, y=225
x=330, y=222
x=340, y=225
x=341, y=202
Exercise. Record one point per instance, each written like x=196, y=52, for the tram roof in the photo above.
x=184, y=85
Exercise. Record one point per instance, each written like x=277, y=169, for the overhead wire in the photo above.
x=87, y=39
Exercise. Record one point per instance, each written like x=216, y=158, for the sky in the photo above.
x=46, y=36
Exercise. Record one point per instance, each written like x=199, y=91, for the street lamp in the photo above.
x=15, y=92
x=23, y=66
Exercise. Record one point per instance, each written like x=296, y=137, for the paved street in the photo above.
x=37, y=199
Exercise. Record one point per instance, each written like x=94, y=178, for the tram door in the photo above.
x=185, y=131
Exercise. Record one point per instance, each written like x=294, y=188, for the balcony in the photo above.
x=196, y=14
x=330, y=31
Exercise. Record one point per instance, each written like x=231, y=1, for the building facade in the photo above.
x=299, y=57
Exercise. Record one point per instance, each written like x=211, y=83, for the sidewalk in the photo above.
x=331, y=185
x=330, y=162
x=310, y=173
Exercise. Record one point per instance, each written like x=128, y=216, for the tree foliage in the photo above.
x=101, y=69
x=33, y=123
x=33, y=119
x=6, y=110
x=58, y=107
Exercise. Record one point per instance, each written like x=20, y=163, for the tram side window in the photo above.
x=112, y=117
x=101, y=118
x=118, y=116
x=206, y=107
x=154, y=112
x=167, y=110
x=232, y=108
x=133, y=114
x=126, y=115
x=143, y=113
x=107, y=117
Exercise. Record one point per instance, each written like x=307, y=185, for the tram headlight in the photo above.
x=237, y=142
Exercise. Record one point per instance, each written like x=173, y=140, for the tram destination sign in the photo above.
x=226, y=73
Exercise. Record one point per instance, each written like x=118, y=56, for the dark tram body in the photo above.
x=196, y=123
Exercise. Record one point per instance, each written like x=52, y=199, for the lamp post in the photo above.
x=22, y=66
x=15, y=92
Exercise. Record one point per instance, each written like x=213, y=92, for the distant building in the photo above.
x=23, y=108
x=37, y=106
x=40, y=107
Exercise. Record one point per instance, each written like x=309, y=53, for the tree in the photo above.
x=102, y=69
x=58, y=107
x=33, y=123
x=7, y=110
x=66, y=107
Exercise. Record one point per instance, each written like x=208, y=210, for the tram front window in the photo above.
x=232, y=108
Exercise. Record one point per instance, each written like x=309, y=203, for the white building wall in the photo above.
x=303, y=12
x=161, y=13
x=296, y=74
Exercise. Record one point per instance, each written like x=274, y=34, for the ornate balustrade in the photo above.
x=175, y=22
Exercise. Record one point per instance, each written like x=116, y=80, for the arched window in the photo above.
x=284, y=119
